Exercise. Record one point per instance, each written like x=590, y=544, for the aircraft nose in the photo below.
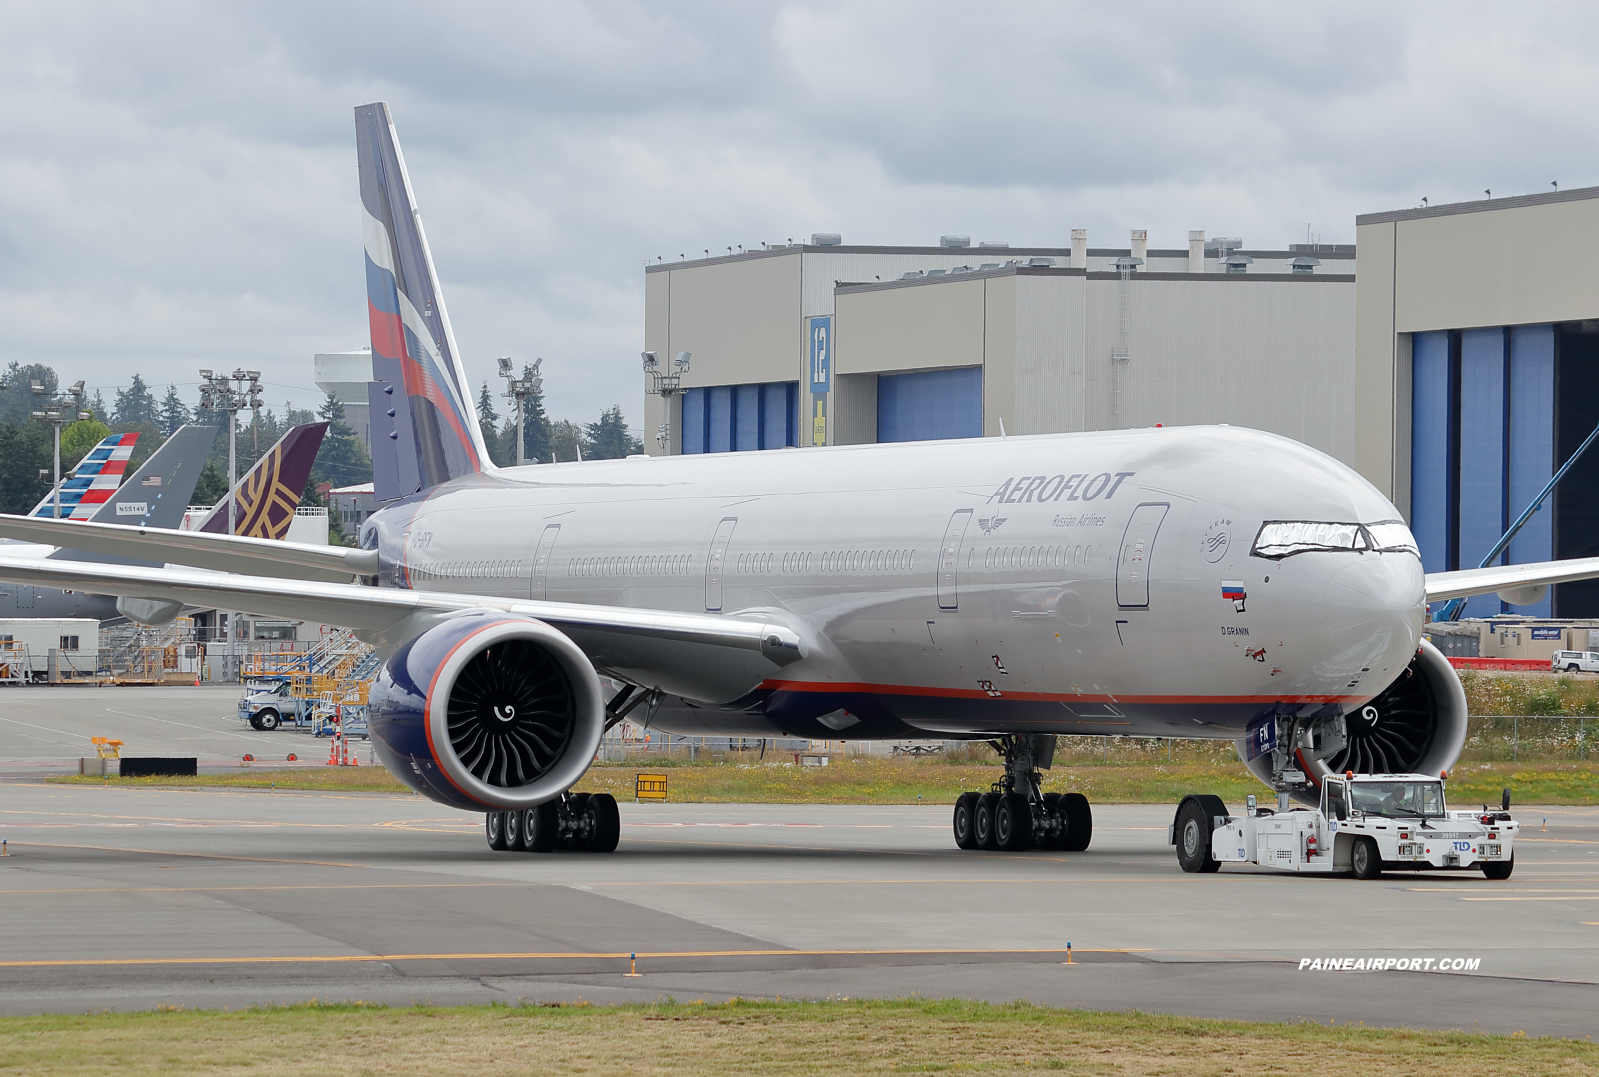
x=1379, y=583
x=1375, y=609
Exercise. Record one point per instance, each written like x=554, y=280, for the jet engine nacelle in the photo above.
x=1415, y=725
x=488, y=712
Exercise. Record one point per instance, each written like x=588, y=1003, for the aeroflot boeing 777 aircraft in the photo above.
x=1192, y=582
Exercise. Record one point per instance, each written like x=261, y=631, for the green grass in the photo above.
x=742, y=1037
x=735, y=779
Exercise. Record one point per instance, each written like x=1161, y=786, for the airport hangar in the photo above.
x=1456, y=370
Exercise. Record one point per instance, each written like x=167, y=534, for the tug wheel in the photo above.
x=1364, y=859
x=1499, y=869
x=1193, y=840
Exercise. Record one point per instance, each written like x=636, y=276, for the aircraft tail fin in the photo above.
x=433, y=430
x=157, y=494
x=266, y=498
x=93, y=481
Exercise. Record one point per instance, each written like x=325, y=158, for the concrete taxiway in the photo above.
x=128, y=898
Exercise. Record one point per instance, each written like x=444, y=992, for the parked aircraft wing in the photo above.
x=1442, y=586
x=707, y=657
x=199, y=549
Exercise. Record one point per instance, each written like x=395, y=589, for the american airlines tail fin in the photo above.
x=266, y=498
x=92, y=482
x=157, y=495
x=424, y=428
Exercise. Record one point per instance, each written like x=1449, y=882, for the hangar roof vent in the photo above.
x=826, y=239
x=993, y=243
x=1223, y=244
x=1305, y=265
x=1040, y=262
x=954, y=241
x=912, y=275
x=1237, y=263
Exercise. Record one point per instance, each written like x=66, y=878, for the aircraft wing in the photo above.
x=712, y=658
x=1442, y=586
x=199, y=549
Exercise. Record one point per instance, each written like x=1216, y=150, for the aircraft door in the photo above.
x=541, y=560
x=949, y=557
x=714, y=563
x=1137, y=554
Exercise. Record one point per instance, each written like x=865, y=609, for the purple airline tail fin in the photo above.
x=421, y=408
x=267, y=496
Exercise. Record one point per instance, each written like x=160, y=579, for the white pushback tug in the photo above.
x=1365, y=824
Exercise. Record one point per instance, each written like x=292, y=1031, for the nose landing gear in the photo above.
x=1016, y=814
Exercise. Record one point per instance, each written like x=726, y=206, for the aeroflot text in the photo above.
x=1051, y=487
x=1387, y=964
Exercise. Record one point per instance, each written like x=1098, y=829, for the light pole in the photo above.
x=230, y=393
x=519, y=389
x=666, y=386
x=58, y=409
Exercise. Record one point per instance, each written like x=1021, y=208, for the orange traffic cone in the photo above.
x=333, y=751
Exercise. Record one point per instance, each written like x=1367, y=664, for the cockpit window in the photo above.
x=1284, y=538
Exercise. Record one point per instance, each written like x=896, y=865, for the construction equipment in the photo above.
x=321, y=690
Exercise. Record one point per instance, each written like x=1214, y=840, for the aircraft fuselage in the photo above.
x=1097, y=583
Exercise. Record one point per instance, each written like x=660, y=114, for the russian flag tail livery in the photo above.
x=267, y=497
x=91, y=484
x=419, y=396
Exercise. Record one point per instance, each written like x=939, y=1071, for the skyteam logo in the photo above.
x=1214, y=544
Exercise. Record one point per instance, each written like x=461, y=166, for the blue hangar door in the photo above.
x=930, y=405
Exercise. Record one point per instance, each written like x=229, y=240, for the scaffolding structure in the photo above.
x=329, y=682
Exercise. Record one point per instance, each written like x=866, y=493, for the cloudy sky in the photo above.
x=178, y=187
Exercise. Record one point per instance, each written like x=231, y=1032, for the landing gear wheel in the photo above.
x=1193, y=840
x=515, y=831
x=966, y=821
x=494, y=830
x=542, y=827
x=577, y=839
x=606, y=820
x=1499, y=869
x=1054, y=824
x=1013, y=823
x=1079, y=819
x=1365, y=859
x=986, y=803
x=268, y=720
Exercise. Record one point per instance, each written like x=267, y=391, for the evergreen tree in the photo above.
x=212, y=486
x=136, y=406
x=174, y=412
x=24, y=449
x=342, y=460
x=609, y=438
x=566, y=438
x=488, y=423
x=96, y=405
x=16, y=400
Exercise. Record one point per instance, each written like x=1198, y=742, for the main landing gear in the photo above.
x=581, y=822
x=1015, y=815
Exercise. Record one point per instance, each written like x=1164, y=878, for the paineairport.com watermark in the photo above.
x=1390, y=964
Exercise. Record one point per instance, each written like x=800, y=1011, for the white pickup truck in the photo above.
x=1366, y=824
